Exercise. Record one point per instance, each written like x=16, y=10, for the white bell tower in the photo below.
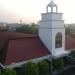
x=52, y=30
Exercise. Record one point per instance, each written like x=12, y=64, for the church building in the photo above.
x=51, y=41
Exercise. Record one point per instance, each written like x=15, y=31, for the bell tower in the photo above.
x=51, y=5
x=52, y=30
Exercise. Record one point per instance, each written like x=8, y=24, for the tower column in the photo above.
x=51, y=9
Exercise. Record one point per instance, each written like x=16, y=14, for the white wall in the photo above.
x=52, y=16
x=45, y=24
x=49, y=26
x=54, y=32
x=46, y=37
x=58, y=24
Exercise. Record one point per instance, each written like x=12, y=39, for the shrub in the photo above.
x=0, y=72
x=8, y=71
x=58, y=64
x=30, y=69
x=18, y=70
x=27, y=28
x=43, y=67
x=72, y=53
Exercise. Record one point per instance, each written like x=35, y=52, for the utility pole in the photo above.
x=20, y=21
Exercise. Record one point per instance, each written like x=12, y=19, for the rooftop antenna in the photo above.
x=20, y=21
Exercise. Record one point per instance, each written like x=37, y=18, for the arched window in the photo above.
x=49, y=9
x=58, y=40
x=54, y=9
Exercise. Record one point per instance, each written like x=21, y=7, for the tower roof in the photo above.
x=51, y=4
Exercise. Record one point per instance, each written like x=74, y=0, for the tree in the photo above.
x=24, y=29
x=27, y=28
x=67, y=30
x=72, y=53
x=0, y=72
x=8, y=71
x=43, y=67
x=58, y=64
x=30, y=68
x=34, y=28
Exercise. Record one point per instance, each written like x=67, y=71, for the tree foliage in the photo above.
x=0, y=72
x=72, y=53
x=8, y=71
x=30, y=69
x=70, y=29
x=67, y=30
x=43, y=67
x=27, y=28
x=58, y=64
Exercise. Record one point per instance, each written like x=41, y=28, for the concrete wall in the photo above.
x=54, y=32
x=52, y=16
x=49, y=26
x=46, y=38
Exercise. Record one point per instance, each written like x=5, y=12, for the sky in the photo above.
x=29, y=11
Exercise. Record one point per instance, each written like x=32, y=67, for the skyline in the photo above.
x=30, y=10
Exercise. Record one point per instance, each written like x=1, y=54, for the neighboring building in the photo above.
x=12, y=26
x=3, y=25
x=18, y=48
x=9, y=26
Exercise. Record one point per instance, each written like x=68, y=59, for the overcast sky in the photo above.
x=30, y=10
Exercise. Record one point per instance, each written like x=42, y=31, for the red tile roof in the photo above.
x=25, y=49
x=5, y=36
x=69, y=42
x=14, y=35
x=16, y=47
x=21, y=47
